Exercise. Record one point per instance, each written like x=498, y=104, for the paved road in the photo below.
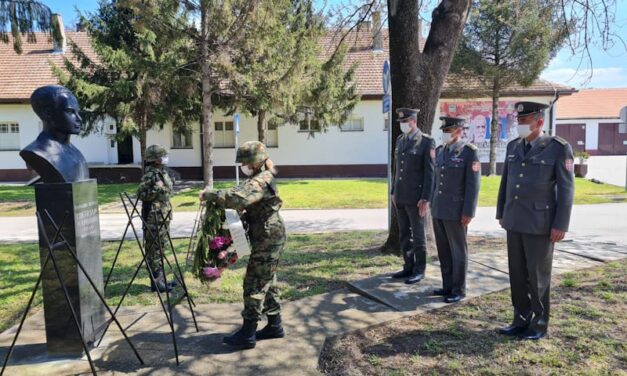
x=603, y=222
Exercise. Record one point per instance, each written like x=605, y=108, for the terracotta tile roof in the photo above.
x=370, y=68
x=592, y=104
x=21, y=74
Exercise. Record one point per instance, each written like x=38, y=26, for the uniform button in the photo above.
x=403, y=154
x=517, y=185
x=441, y=183
x=521, y=175
x=547, y=206
x=401, y=178
x=523, y=164
x=515, y=197
x=541, y=161
x=401, y=170
x=440, y=192
x=442, y=175
x=402, y=161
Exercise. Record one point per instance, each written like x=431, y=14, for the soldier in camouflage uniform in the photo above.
x=154, y=191
x=258, y=199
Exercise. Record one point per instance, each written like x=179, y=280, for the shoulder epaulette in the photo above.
x=439, y=147
x=427, y=136
x=471, y=146
x=560, y=140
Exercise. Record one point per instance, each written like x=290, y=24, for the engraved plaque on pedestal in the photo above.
x=79, y=200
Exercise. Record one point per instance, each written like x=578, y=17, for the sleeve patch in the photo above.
x=476, y=166
x=570, y=165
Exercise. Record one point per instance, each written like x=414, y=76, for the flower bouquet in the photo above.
x=214, y=251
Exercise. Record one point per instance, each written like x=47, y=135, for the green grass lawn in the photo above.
x=587, y=335
x=305, y=194
x=18, y=200
x=311, y=264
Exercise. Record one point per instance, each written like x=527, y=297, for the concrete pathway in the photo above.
x=308, y=323
x=602, y=222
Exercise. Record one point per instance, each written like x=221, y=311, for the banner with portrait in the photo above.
x=478, y=115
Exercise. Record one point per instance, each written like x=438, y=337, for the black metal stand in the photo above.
x=177, y=272
x=52, y=247
x=193, y=238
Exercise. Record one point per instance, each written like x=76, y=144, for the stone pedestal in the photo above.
x=82, y=230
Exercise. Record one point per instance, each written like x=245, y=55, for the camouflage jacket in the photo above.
x=155, y=199
x=259, y=197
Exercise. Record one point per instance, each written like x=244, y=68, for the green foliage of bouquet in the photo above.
x=214, y=251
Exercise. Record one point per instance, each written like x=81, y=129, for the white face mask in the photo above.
x=246, y=170
x=524, y=130
x=405, y=128
x=447, y=137
x=165, y=160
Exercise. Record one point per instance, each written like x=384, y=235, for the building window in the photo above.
x=353, y=124
x=224, y=136
x=272, y=135
x=309, y=125
x=9, y=136
x=182, y=139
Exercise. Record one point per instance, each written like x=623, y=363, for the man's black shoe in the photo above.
x=533, y=335
x=414, y=278
x=441, y=292
x=512, y=330
x=401, y=274
x=454, y=298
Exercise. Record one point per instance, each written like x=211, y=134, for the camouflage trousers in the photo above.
x=261, y=295
x=155, y=241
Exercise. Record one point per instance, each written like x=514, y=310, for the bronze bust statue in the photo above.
x=52, y=155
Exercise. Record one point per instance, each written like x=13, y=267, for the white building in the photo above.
x=590, y=119
x=358, y=148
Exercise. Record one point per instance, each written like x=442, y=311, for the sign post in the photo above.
x=387, y=108
x=236, y=123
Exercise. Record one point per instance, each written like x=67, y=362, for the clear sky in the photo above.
x=609, y=67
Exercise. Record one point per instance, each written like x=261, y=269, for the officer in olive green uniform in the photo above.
x=457, y=179
x=534, y=206
x=154, y=191
x=258, y=196
x=411, y=193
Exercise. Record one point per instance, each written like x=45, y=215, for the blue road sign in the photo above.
x=386, y=78
x=386, y=103
x=236, y=119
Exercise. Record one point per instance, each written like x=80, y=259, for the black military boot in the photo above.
x=245, y=337
x=274, y=329
x=159, y=282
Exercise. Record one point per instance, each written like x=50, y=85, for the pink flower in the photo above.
x=222, y=255
x=228, y=240
x=210, y=272
x=217, y=243
x=233, y=258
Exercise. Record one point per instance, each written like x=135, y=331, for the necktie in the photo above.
x=527, y=147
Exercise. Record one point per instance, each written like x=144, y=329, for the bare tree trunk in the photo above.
x=494, y=126
x=261, y=126
x=207, y=126
x=417, y=78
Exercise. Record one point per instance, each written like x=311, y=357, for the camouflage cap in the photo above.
x=251, y=152
x=154, y=152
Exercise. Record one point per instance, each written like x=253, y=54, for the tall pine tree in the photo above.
x=142, y=76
